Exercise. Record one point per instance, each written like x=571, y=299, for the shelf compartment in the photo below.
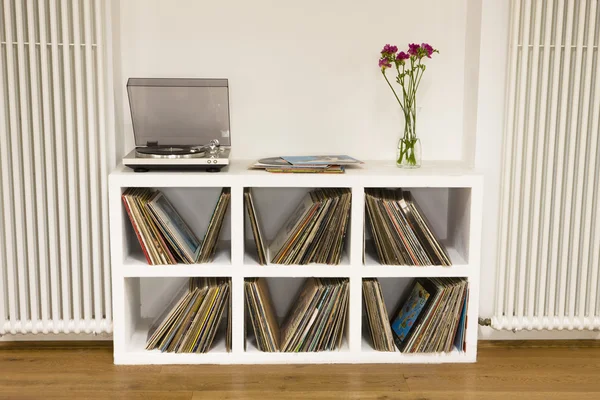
x=195, y=205
x=145, y=299
x=284, y=293
x=395, y=291
x=280, y=202
x=447, y=211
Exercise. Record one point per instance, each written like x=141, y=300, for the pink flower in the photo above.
x=402, y=56
x=428, y=49
x=384, y=63
x=389, y=50
x=413, y=49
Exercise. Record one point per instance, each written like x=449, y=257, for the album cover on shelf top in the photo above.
x=322, y=160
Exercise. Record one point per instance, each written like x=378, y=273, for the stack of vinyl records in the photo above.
x=431, y=319
x=262, y=314
x=327, y=164
x=164, y=236
x=318, y=318
x=400, y=230
x=316, y=321
x=314, y=233
x=378, y=321
x=189, y=324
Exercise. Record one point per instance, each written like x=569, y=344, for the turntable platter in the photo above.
x=169, y=152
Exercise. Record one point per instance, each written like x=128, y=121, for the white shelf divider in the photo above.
x=463, y=222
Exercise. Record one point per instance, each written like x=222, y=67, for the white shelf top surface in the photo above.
x=431, y=174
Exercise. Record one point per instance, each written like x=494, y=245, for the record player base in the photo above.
x=178, y=168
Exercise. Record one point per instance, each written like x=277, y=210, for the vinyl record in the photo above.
x=169, y=152
x=273, y=161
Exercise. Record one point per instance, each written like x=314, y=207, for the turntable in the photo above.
x=179, y=124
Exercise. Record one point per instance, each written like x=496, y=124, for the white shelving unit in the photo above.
x=450, y=195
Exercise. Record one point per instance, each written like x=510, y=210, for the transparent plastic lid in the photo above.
x=183, y=112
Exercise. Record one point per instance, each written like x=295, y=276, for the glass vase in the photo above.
x=408, y=154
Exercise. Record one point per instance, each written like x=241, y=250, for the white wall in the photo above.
x=303, y=75
x=471, y=78
x=490, y=130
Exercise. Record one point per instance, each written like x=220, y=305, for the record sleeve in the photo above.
x=440, y=252
x=296, y=220
x=262, y=314
x=174, y=227
x=459, y=340
x=377, y=316
x=255, y=225
x=320, y=160
x=410, y=315
x=168, y=314
x=211, y=237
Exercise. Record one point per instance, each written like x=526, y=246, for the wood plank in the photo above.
x=65, y=379
x=517, y=382
x=70, y=369
x=78, y=359
x=29, y=394
x=544, y=344
x=56, y=344
x=558, y=369
x=385, y=395
x=285, y=378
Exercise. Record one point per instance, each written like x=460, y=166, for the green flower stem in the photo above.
x=391, y=87
x=407, y=152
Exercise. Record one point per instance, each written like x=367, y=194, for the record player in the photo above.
x=179, y=124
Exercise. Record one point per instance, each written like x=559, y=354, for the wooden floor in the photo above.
x=505, y=370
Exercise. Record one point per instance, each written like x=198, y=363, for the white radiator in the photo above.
x=54, y=167
x=549, y=246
